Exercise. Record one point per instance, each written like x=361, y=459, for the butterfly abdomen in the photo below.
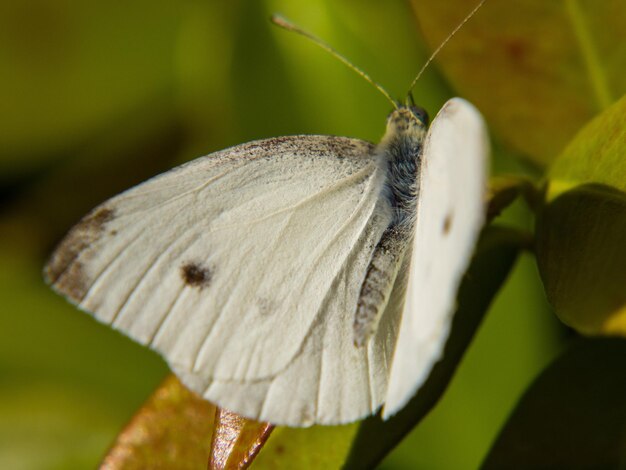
x=378, y=284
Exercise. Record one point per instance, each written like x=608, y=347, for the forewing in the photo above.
x=450, y=215
x=227, y=265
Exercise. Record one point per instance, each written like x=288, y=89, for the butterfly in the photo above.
x=298, y=280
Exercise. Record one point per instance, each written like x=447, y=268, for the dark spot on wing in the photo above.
x=447, y=223
x=64, y=270
x=196, y=275
x=265, y=306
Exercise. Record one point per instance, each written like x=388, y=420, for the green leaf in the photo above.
x=595, y=155
x=581, y=253
x=495, y=255
x=573, y=416
x=537, y=70
x=306, y=448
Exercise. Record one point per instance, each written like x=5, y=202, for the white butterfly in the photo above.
x=296, y=280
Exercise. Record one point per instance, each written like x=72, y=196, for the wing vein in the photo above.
x=370, y=388
x=149, y=268
x=103, y=272
x=254, y=289
x=334, y=187
x=317, y=258
x=191, y=191
x=318, y=395
x=323, y=306
x=163, y=320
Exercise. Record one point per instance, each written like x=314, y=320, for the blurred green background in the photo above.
x=98, y=96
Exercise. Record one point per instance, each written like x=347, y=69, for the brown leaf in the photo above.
x=236, y=440
x=172, y=430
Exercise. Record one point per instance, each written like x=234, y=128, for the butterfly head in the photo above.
x=407, y=120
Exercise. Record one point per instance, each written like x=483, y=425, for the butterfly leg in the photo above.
x=378, y=283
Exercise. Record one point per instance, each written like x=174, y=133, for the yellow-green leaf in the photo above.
x=538, y=70
x=596, y=155
x=581, y=253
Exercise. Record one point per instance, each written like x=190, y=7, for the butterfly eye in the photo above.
x=420, y=114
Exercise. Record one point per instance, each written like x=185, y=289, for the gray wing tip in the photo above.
x=66, y=275
x=64, y=270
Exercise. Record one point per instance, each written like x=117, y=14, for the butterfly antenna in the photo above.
x=289, y=26
x=434, y=54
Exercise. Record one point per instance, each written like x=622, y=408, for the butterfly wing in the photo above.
x=450, y=215
x=242, y=269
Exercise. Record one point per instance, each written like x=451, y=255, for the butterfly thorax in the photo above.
x=401, y=148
